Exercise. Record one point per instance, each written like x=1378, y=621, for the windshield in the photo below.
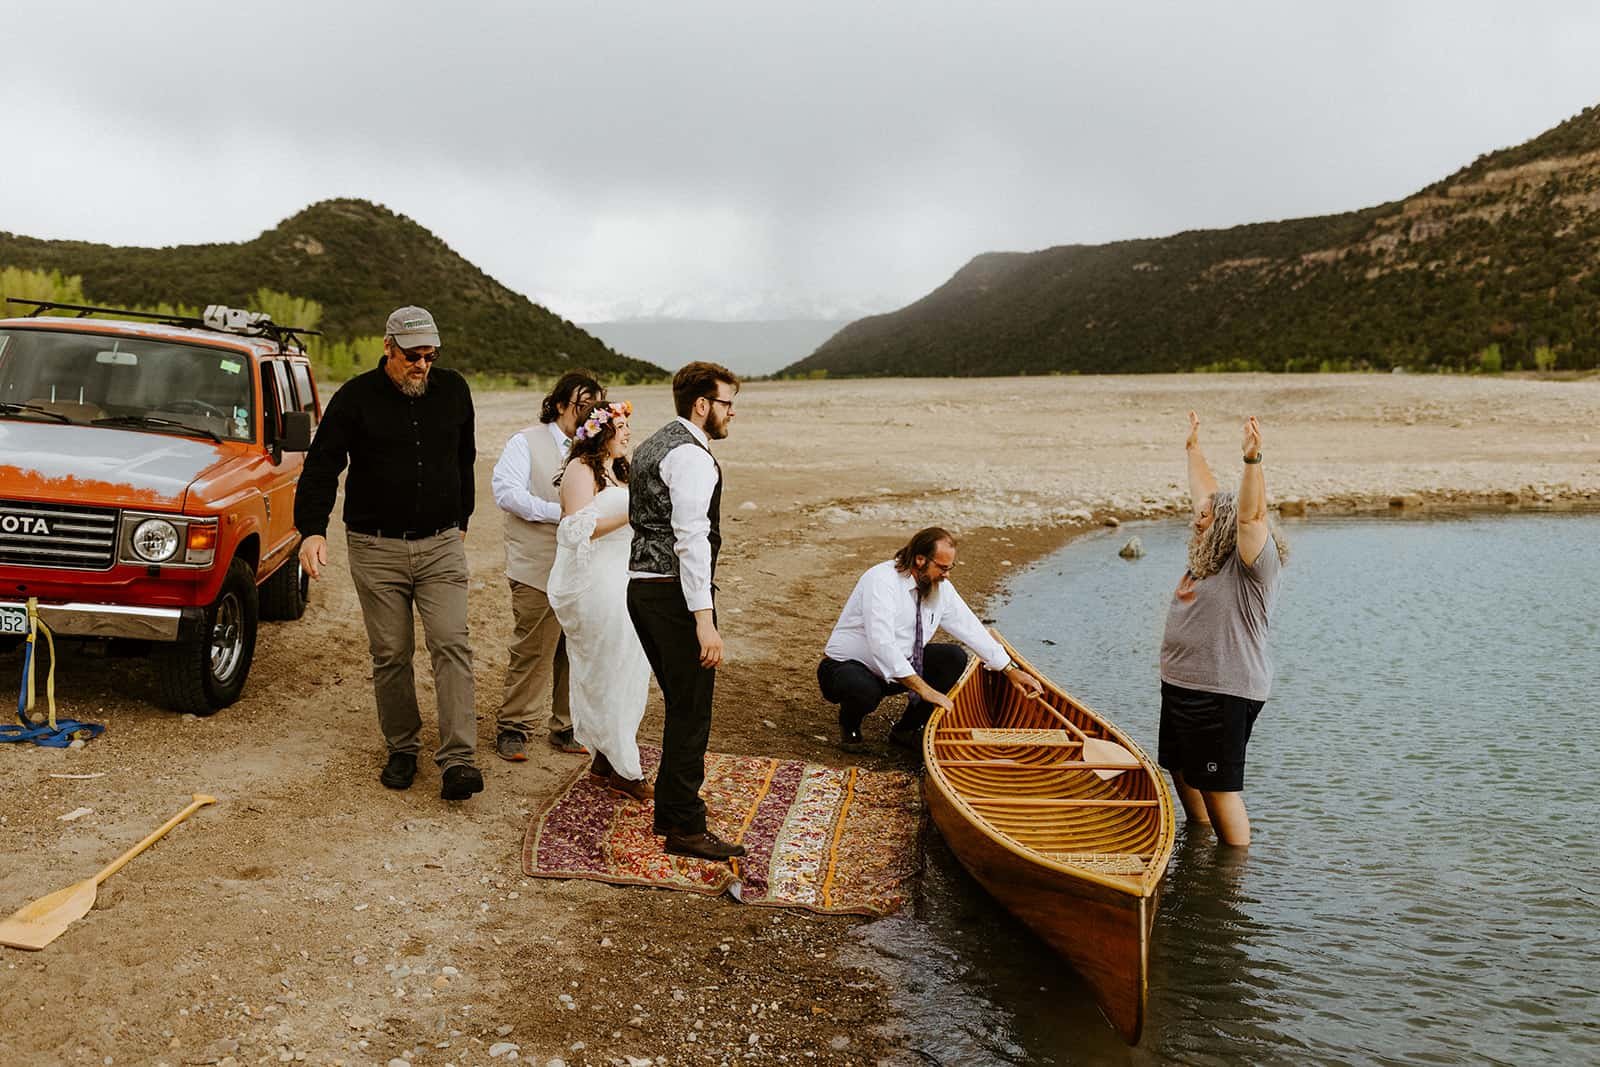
x=84, y=377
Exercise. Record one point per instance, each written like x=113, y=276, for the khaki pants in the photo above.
x=536, y=667
x=390, y=576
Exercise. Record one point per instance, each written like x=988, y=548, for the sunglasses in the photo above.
x=412, y=355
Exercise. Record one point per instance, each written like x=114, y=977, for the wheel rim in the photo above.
x=227, y=638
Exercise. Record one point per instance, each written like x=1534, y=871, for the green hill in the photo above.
x=359, y=261
x=1493, y=266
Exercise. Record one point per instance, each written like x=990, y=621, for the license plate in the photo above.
x=13, y=621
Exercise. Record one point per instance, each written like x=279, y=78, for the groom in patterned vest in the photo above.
x=675, y=508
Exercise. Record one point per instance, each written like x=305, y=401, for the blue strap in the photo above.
x=66, y=731
x=59, y=735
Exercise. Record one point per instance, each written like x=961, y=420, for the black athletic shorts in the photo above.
x=1204, y=736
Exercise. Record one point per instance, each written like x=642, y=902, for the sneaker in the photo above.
x=461, y=782
x=400, y=771
x=510, y=745
x=704, y=845
x=563, y=741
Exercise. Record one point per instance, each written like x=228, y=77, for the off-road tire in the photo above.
x=284, y=595
x=207, y=672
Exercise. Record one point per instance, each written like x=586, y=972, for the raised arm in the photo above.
x=1252, y=503
x=1202, y=484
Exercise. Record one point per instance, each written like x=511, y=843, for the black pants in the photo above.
x=666, y=630
x=858, y=690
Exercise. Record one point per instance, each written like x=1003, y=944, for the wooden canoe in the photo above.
x=1075, y=846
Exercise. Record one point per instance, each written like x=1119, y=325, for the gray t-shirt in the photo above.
x=1216, y=636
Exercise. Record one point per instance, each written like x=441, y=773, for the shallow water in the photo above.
x=1424, y=882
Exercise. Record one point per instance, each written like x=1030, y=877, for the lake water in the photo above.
x=1424, y=880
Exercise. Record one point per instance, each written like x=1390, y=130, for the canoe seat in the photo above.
x=1101, y=862
x=1018, y=737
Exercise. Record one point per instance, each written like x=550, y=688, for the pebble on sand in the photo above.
x=1134, y=549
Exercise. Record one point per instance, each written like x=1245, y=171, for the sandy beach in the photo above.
x=314, y=916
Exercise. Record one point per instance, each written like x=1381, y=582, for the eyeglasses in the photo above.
x=719, y=400
x=413, y=354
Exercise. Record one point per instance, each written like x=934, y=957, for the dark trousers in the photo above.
x=858, y=690
x=666, y=630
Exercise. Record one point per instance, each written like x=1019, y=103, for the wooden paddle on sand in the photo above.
x=37, y=924
x=1095, y=749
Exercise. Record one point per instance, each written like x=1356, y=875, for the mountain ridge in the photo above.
x=1491, y=264
x=360, y=261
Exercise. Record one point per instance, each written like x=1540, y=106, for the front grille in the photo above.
x=57, y=535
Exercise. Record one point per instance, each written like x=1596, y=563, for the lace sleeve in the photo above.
x=577, y=530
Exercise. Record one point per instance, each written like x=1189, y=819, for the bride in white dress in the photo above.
x=609, y=675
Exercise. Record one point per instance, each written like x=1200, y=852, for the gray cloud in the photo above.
x=727, y=159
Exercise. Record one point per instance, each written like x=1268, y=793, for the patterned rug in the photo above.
x=830, y=840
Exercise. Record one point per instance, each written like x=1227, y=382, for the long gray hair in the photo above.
x=1210, y=550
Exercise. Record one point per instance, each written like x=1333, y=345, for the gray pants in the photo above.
x=536, y=667
x=390, y=576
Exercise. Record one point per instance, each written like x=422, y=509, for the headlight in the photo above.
x=155, y=540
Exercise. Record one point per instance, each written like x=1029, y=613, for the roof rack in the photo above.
x=238, y=323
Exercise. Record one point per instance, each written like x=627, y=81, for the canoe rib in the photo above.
x=1076, y=857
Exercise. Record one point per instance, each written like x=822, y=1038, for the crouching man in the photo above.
x=880, y=647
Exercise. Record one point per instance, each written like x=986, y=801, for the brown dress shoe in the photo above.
x=704, y=845
x=639, y=790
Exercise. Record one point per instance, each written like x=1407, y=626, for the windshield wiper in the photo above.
x=155, y=423
x=30, y=409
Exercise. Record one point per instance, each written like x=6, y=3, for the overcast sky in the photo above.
x=747, y=159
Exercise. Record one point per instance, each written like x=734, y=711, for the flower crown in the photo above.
x=600, y=415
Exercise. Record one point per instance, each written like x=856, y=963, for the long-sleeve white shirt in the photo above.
x=878, y=625
x=690, y=475
x=512, y=473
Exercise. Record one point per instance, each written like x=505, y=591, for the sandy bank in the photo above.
x=314, y=913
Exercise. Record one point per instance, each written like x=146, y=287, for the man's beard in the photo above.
x=412, y=386
x=924, y=581
x=716, y=428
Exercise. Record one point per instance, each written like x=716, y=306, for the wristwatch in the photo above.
x=1259, y=454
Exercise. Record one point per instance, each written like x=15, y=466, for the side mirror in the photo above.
x=296, y=431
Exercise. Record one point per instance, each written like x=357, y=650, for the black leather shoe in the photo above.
x=704, y=845
x=400, y=771
x=600, y=767
x=850, y=738
x=907, y=739
x=461, y=782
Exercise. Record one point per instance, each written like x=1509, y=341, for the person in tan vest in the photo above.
x=524, y=487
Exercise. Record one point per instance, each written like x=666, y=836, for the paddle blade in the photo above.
x=36, y=925
x=1096, y=750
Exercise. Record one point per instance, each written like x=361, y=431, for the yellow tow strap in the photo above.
x=36, y=626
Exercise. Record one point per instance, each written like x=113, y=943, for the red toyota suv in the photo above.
x=147, y=478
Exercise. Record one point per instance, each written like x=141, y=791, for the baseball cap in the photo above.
x=412, y=327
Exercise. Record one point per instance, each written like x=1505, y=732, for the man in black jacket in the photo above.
x=407, y=432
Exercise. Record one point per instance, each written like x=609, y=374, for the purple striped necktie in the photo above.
x=916, y=641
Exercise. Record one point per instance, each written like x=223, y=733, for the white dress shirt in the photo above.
x=690, y=475
x=512, y=473
x=878, y=625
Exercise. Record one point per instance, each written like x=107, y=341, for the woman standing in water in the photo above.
x=1215, y=670
x=610, y=676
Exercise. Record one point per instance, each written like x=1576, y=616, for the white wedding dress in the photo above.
x=609, y=677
